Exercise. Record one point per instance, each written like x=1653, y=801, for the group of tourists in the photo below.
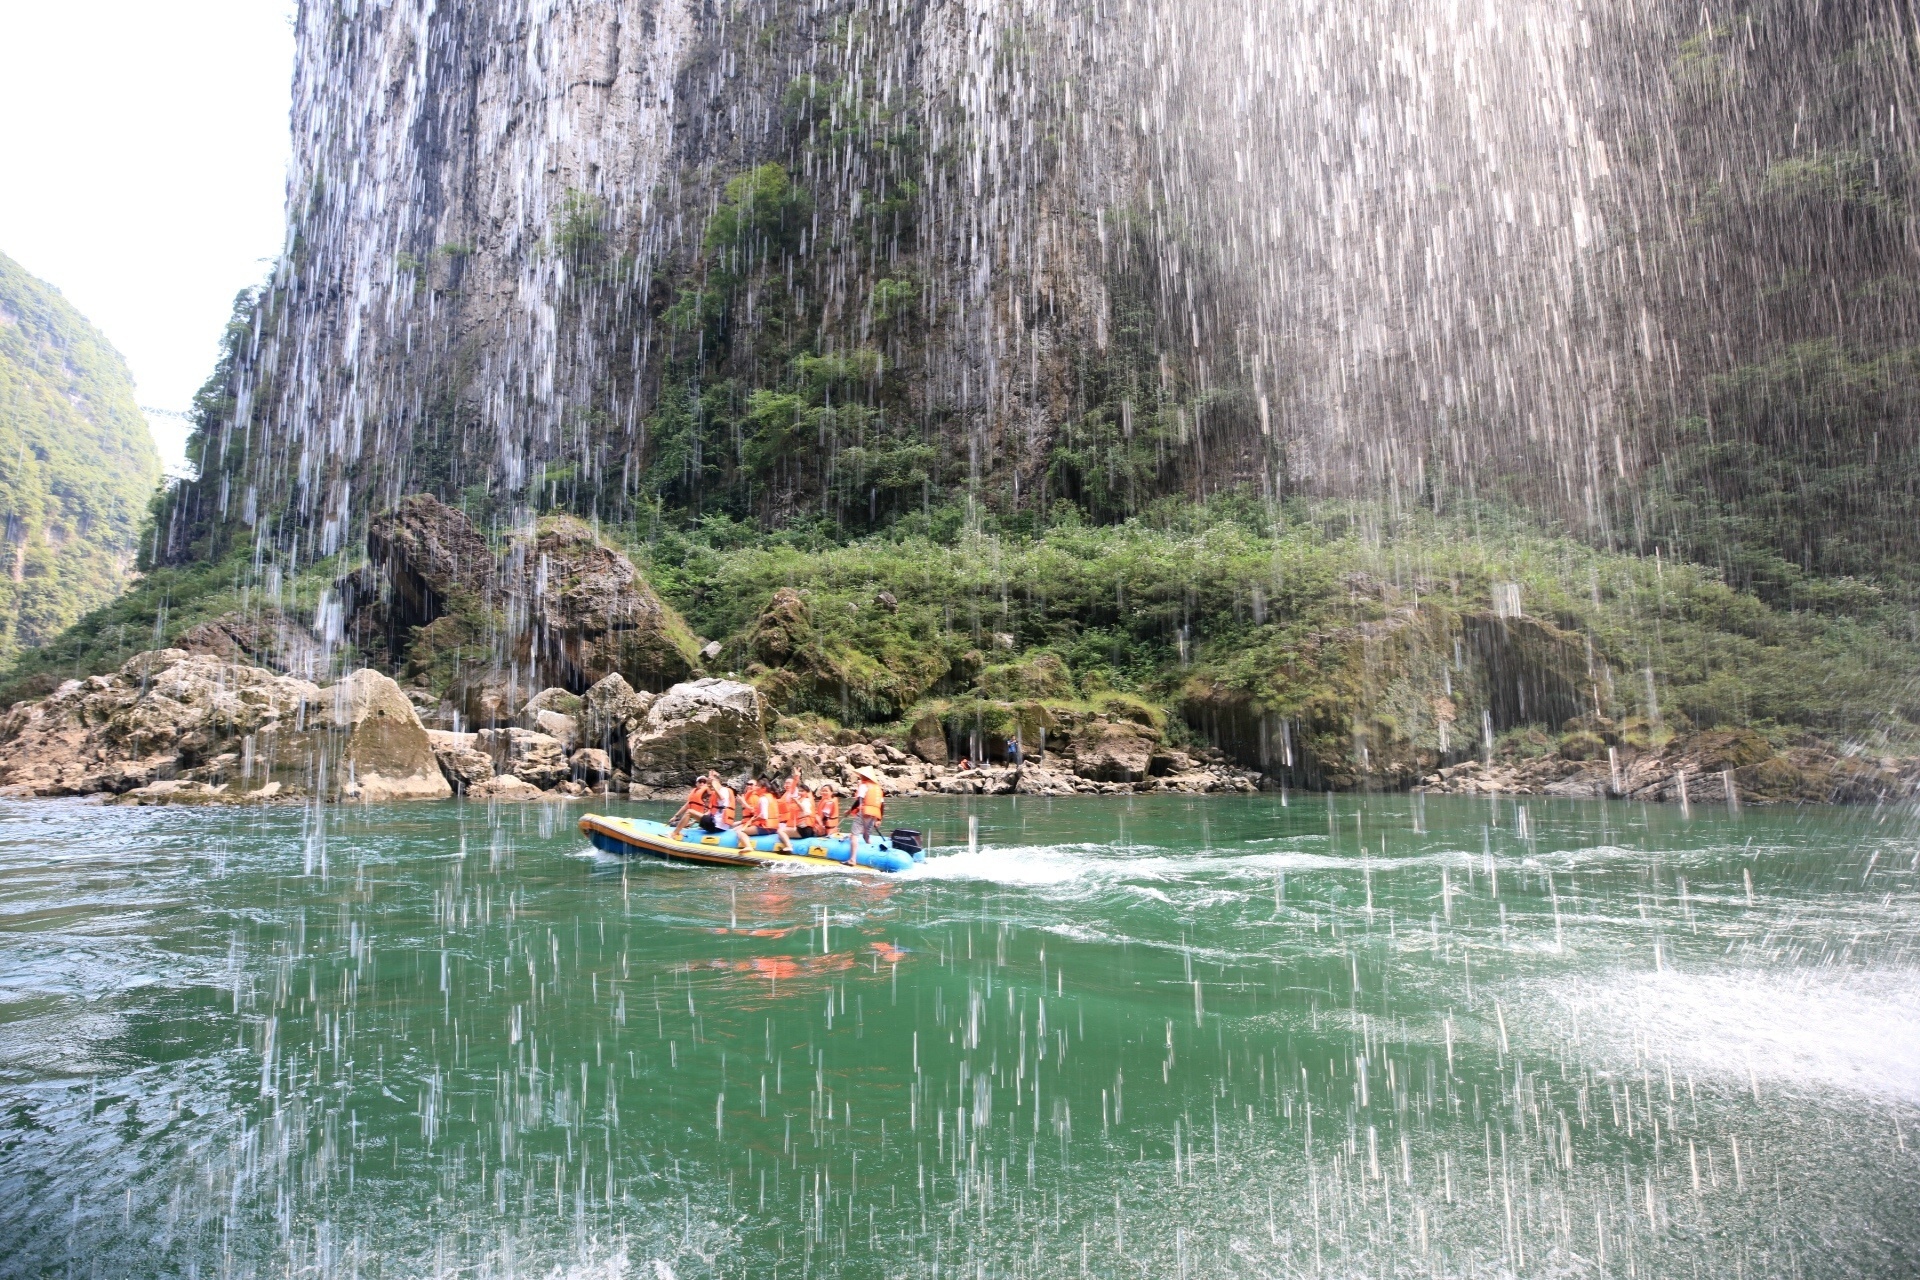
x=794, y=812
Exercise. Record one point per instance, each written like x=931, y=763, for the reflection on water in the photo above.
x=1153, y=1038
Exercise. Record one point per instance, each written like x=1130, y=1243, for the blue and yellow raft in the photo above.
x=897, y=852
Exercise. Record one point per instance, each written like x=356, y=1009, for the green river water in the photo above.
x=1106, y=1037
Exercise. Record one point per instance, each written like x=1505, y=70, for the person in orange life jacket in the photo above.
x=826, y=810
x=724, y=812
x=764, y=817
x=869, y=806
x=807, y=812
x=699, y=806
x=796, y=809
x=711, y=804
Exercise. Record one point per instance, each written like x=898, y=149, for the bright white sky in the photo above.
x=143, y=158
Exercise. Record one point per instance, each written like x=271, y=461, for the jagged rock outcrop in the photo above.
x=560, y=608
x=428, y=552
x=462, y=762
x=170, y=716
x=589, y=614
x=265, y=639
x=707, y=724
x=384, y=752
x=1713, y=766
x=532, y=757
x=610, y=712
x=554, y=712
x=1109, y=751
x=1385, y=703
x=164, y=715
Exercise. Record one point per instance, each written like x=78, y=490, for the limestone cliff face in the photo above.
x=860, y=258
x=533, y=248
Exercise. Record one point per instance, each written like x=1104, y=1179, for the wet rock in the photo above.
x=705, y=724
x=266, y=639
x=175, y=791
x=533, y=758
x=588, y=613
x=1105, y=751
x=927, y=739
x=428, y=552
x=563, y=729
x=461, y=761
x=384, y=753
x=486, y=698
x=164, y=714
x=504, y=787
x=610, y=712
x=590, y=765
x=558, y=701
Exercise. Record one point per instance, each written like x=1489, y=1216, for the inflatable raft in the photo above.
x=897, y=852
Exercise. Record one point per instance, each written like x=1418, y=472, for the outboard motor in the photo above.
x=906, y=840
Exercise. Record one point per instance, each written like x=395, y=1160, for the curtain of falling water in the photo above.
x=1332, y=245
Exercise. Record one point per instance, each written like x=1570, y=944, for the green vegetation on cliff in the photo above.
x=77, y=464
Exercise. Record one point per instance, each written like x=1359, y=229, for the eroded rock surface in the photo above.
x=589, y=614
x=705, y=724
x=462, y=763
x=384, y=752
x=534, y=758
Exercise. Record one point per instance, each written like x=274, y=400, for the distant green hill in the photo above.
x=77, y=464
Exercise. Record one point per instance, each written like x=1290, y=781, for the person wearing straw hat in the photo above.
x=869, y=806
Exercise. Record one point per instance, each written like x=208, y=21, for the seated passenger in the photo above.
x=826, y=810
x=697, y=808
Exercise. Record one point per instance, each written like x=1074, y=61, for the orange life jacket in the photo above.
x=700, y=799
x=828, y=807
x=766, y=807
x=789, y=808
x=726, y=804
x=872, y=801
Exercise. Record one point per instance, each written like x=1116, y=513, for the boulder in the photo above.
x=611, y=711
x=428, y=552
x=164, y=714
x=558, y=701
x=534, y=758
x=461, y=760
x=589, y=613
x=175, y=791
x=504, y=787
x=485, y=697
x=555, y=713
x=590, y=765
x=264, y=639
x=563, y=729
x=384, y=753
x=1108, y=752
x=706, y=724
x=928, y=739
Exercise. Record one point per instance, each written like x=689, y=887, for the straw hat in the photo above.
x=869, y=775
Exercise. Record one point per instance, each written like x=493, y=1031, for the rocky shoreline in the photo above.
x=552, y=671
x=1714, y=766
x=174, y=727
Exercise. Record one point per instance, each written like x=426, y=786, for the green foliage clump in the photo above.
x=77, y=465
x=1281, y=611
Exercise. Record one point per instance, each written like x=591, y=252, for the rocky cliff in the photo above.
x=858, y=258
x=77, y=464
